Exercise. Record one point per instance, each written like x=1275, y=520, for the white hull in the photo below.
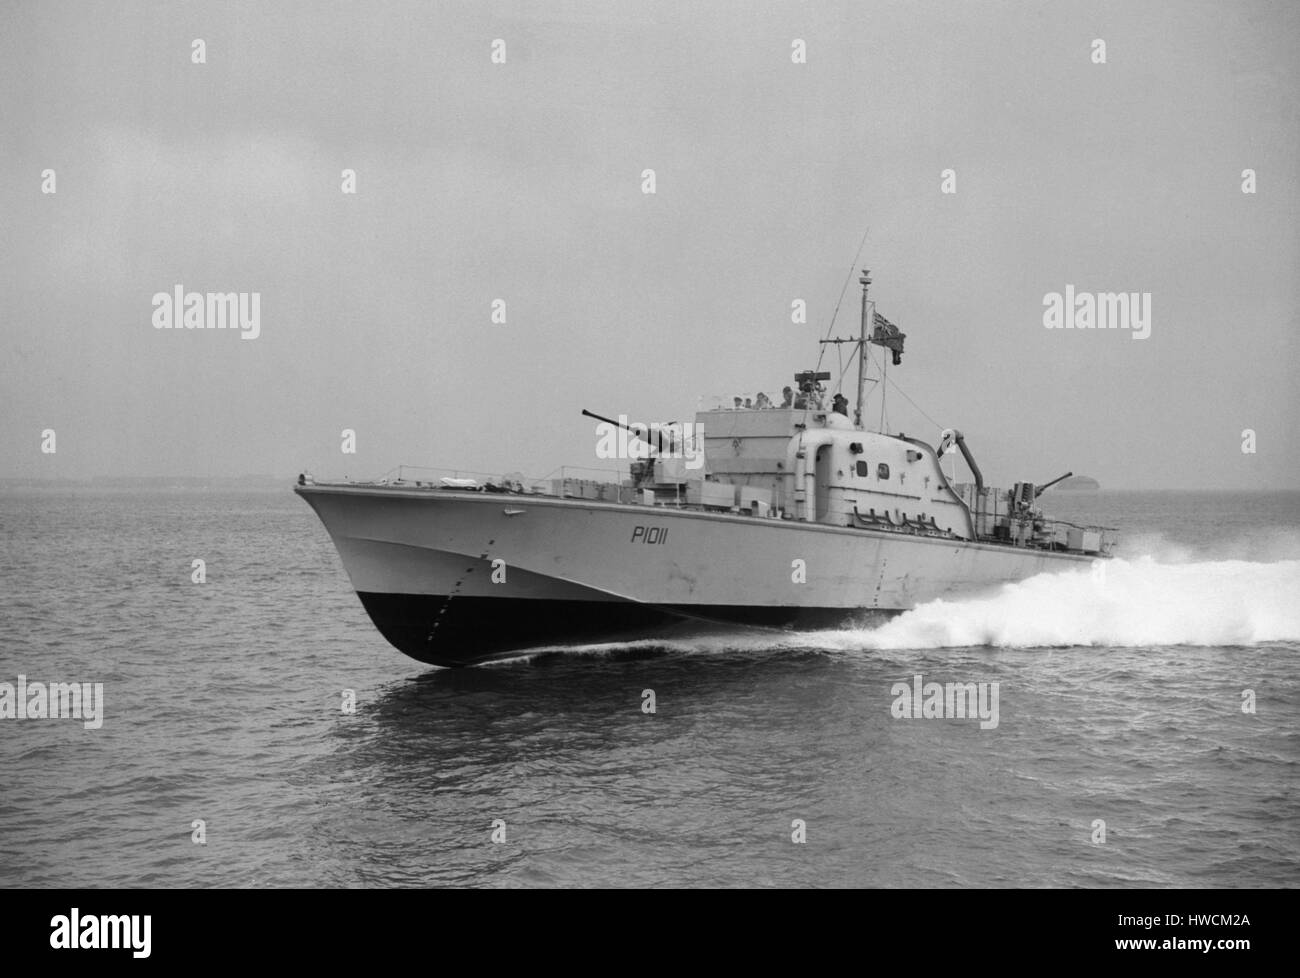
x=458, y=577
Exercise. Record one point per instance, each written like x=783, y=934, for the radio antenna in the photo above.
x=847, y=279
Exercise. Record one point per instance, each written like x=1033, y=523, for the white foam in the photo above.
x=1138, y=602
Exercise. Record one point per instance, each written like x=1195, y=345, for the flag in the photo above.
x=888, y=335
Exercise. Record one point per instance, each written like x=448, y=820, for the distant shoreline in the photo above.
x=155, y=482
x=253, y=482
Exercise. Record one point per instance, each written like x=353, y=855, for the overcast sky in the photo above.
x=522, y=181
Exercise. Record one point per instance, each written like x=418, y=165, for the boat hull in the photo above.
x=462, y=631
x=454, y=578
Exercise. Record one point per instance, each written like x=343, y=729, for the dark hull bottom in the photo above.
x=461, y=631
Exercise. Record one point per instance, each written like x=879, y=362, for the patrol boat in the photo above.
x=765, y=514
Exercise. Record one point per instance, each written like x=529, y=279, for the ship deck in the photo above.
x=624, y=496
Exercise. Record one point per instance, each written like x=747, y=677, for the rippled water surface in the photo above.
x=1120, y=699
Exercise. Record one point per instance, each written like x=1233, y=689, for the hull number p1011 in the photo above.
x=649, y=534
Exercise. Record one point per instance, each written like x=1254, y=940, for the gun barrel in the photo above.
x=592, y=414
x=1049, y=485
x=655, y=437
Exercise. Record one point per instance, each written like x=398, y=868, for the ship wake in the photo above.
x=1138, y=602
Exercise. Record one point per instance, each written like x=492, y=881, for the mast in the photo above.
x=862, y=346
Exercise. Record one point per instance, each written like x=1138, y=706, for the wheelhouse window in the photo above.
x=864, y=470
x=882, y=471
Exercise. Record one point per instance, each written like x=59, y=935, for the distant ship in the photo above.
x=784, y=515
